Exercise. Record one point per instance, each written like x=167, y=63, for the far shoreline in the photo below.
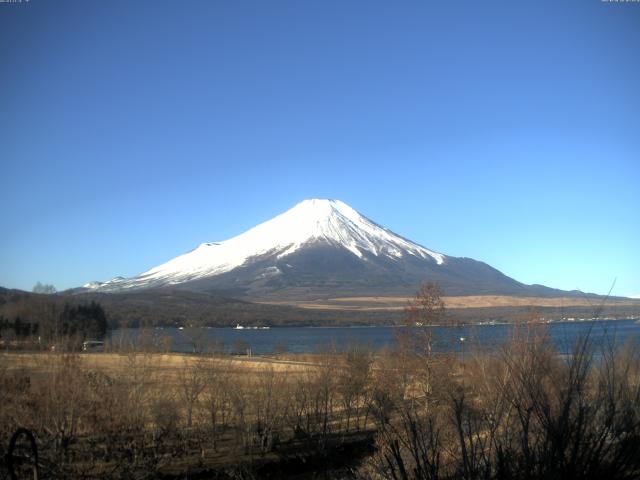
x=463, y=324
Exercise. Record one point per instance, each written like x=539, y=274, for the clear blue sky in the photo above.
x=509, y=132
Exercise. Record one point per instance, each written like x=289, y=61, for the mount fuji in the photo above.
x=320, y=249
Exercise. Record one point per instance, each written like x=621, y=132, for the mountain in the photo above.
x=320, y=249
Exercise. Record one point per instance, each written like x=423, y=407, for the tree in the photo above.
x=192, y=381
x=44, y=288
x=427, y=307
x=218, y=396
x=353, y=382
x=87, y=321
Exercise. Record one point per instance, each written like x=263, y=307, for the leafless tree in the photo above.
x=427, y=307
x=218, y=396
x=192, y=381
x=354, y=384
x=269, y=406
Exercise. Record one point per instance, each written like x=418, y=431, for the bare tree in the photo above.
x=353, y=383
x=62, y=403
x=427, y=307
x=46, y=289
x=217, y=397
x=192, y=380
x=268, y=408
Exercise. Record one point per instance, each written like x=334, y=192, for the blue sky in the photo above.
x=508, y=132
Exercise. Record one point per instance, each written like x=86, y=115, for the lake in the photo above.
x=315, y=339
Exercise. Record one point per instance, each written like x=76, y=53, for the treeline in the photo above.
x=47, y=318
x=19, y=328
x=521, y=412
x=172, y=307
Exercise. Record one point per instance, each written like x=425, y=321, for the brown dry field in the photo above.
x=474, y=301
x=163, y=371
x=166, y=365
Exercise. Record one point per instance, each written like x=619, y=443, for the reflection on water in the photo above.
x=309, y=340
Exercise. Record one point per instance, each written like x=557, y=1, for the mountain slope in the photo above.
x=320, y=248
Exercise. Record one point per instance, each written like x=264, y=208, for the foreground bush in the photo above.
x=525, y=413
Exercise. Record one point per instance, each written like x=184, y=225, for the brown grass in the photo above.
x=439, y=417
x=162, y=363
x=471, y=301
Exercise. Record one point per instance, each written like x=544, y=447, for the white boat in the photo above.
x=238, y=327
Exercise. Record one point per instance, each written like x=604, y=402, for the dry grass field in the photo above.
x=358, y=415
x=180, y=413
x=473, y=301
x=160, y=361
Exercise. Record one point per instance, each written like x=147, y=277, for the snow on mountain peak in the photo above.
x=310, y=221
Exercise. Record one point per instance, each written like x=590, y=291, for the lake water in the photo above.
x=311, y=339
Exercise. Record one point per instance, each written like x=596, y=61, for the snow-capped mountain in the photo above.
x=317, y=248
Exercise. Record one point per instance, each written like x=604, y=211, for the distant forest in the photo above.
x=48, y=317
x=90, y=315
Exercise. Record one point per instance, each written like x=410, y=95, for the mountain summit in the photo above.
x=316, y=249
